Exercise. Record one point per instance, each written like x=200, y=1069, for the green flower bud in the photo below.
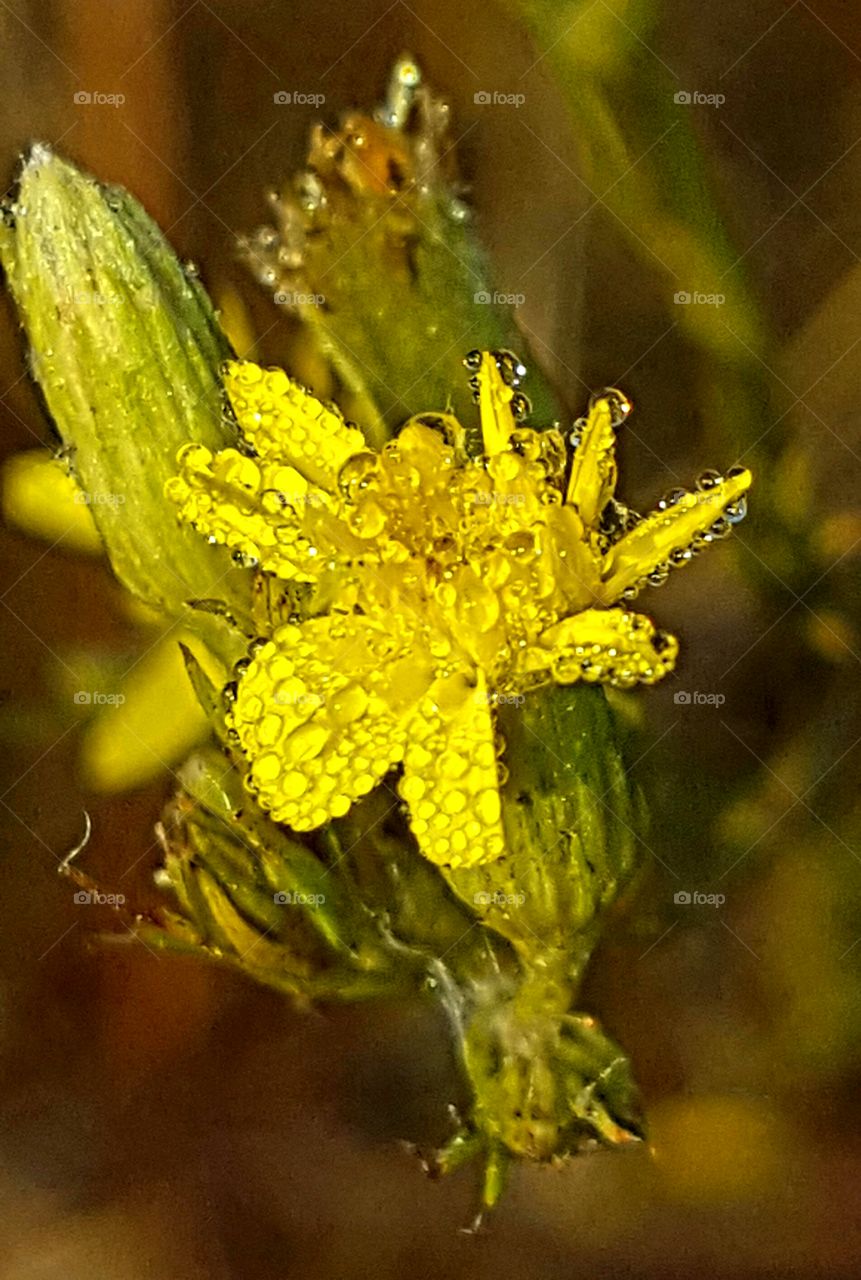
x=376, y=250
x=546, y=1082
x=126, y=350
x=571, y=815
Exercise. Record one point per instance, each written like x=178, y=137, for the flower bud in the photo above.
x=126, y=350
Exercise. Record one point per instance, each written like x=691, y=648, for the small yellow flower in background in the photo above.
x=439, y=584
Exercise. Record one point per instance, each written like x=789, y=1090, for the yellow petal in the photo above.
x=606, y=645
x=261, y=510
x=450, y=781
x=652, y=544
x=425, y=453
x=592, y=481
x=279, y=419
x=40, y=497
x=570, y=557
x=153, y=723
x=321, y=714
x=494, y=405
x=235, y=320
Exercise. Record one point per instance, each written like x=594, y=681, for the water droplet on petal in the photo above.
x=736, y=511
x=620, y=405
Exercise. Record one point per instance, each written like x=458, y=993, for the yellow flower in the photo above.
x=440, y=584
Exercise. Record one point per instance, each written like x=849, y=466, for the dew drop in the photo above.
x=355, y=475
x=367, y=520
x=670, y=499
x=619, y=404
x=510, y=367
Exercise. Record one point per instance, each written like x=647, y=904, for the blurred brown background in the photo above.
x=161, y=1120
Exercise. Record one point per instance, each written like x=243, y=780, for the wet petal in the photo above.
x=280, y=419
x=154, y=723
x=494, y=405
x=260, y=509
x=671, y=531
x=573, y=560
x=450, y=780
x=321, y=714
x=41, y=497
x=607, y=645
x=592, y=481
